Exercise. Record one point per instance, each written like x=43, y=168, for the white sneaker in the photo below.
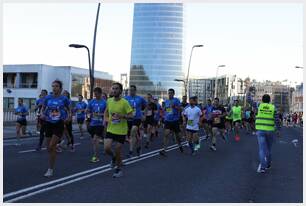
x=117, y=173
x=49, y=173
x=212, y=147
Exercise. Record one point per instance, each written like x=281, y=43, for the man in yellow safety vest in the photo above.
x=265, y=127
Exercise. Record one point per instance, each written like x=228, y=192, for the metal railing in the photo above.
x=9, y=116
x=9, y=85
x=28, y=85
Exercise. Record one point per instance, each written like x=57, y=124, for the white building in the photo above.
x=27, y=80
x=297, y=99
x=229, y=87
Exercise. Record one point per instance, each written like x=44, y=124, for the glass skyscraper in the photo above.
x=157, y=48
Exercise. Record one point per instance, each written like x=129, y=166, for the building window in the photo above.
x=9, y=80
x=79, y=85
x=28, y=80
x=30, y=103
x=8, y=103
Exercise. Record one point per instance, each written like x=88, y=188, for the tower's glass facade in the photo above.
x=157, y=48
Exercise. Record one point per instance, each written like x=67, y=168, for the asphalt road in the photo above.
x=227, y=175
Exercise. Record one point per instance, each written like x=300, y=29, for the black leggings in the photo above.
x=69, y=130
x=42, y=133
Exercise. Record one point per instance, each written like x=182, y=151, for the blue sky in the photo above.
x=263, y=41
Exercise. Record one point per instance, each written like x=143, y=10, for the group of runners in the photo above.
x=133, y=119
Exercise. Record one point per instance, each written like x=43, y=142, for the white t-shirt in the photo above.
x=193, y=117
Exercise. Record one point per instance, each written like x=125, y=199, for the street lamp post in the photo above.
x=91, y=66
x=92, y=82
x=187, y=79
x=89, y=62
x=216, y=81
x=185, y=85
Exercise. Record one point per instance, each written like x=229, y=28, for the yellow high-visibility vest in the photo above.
x=265, y=117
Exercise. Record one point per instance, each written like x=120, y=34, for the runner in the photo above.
x=95, y=109
x=288, y=118
x=196, y=138
x=228, y=122
x=247, y=116
x=172, y=115
x=101, y=141
x=41, y=122
x=54, y=108
x=157, y=118
x=37, y=112
x=207, y=120
x=184, y=105
x=218, y=122
x=149, y=112
x=294, y=119
x=79, y=109
x=252, y=120
x=237, y=117
x=118, y=110
x=137, y=103
x=191, y=119
x=21, y=111
x=68, y=126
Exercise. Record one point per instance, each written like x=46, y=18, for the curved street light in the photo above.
x=91, y=78
x=186, y=84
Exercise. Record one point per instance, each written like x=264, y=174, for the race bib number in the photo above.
x=149, y=113
x=55, y=114
x=96, y=116
x=134, y=112
x=190, y=122
x=115, y=119
x=79, y=111
x=217, y=120
x=169, y=110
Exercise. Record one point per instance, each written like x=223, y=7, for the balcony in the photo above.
x=28, y=85
x=8, y=85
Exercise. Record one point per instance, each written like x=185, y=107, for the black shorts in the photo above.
x=205, y=121
x=80, y=121
x=115, y=137
x=191, y=131
x=149, y=121
x=96, y=130
x=56, y=129
x=181, y=120
x=239, y=121
x=173, y=126
x=22, y=122
x=131, y=123
x=219, y=126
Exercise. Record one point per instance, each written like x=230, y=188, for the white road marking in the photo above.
x=33, y=150
x=74, y=175
x=83, y=177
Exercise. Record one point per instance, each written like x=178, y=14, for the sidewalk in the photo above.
x=9, y=131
